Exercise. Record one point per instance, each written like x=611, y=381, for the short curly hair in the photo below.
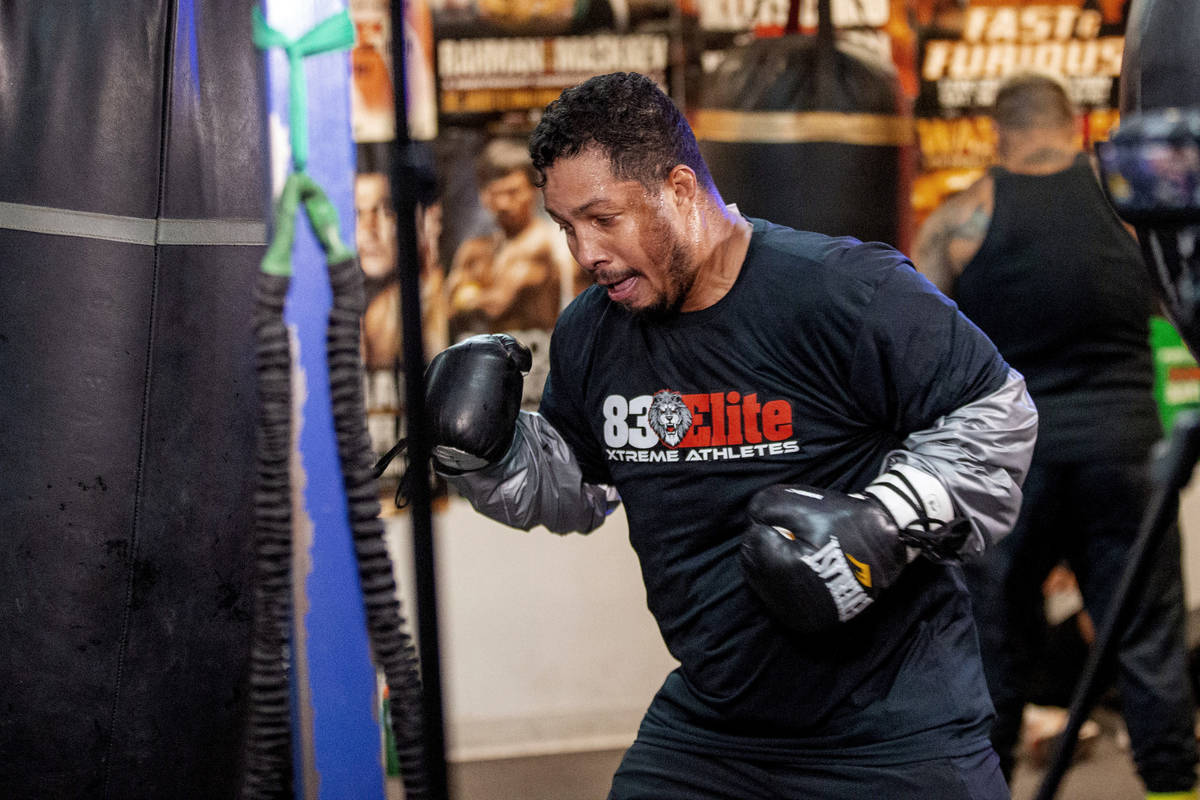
x=633, y=122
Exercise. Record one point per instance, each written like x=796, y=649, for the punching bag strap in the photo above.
x=393, y=647
x=827, y=69
x=323, y=217
x=267, y=748
x=793, y=18
x=824, y=19
x=267, y=768
x=278, y=258
x=826, y=49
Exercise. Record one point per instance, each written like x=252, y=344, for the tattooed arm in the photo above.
x=953, y=233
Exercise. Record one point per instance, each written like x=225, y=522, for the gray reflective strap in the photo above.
x=132, y=230
x=212, y=231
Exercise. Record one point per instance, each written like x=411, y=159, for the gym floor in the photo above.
x=1102, y=771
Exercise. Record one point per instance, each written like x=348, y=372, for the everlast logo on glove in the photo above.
x=832, y=566
x=796, y=553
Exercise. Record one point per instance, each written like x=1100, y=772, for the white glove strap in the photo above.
x=931, y=502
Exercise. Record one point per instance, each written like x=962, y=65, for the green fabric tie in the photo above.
x=322, y=215
x=278, y=258
x=334, y=33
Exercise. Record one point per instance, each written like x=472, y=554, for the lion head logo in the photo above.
x=669, y=417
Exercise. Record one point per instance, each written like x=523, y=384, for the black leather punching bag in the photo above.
x=132, y=196
x=804, y=132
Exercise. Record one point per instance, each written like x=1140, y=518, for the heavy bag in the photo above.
x=131, y=208
x=806, y=133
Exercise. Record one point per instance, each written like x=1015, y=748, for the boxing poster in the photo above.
x=968, y=46
x=373, y=121
x=509, y=269
x=489, y=258
x=949, y=57
x=507, y=266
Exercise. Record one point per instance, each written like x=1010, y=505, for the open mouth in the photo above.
x=622, y=289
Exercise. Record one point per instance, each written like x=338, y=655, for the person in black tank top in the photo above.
x=1034, y=255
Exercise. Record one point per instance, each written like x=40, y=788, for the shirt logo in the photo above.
x=696, y=427
x=669, y=417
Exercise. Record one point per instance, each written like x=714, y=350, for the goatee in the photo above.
x=679, y=280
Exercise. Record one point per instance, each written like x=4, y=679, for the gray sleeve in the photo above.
x=538, y=482
x=981, y=453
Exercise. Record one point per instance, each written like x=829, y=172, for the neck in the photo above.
x=723, y=237
x=508, y=234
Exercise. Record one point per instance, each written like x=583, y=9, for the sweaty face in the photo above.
x=375, y=227
x=621, y=233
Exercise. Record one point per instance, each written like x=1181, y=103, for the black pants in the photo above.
x=653, y=772
x=1088, y=515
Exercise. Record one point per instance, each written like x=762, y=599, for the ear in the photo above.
x=681, y=185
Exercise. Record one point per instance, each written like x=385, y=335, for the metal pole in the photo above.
x=405, y=181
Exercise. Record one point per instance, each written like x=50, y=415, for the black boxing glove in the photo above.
x=472, y=398
x=818, y=558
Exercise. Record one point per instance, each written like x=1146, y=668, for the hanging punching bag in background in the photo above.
x=808, y=133
x=131, y=206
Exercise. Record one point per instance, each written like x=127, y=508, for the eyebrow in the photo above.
x=580, y=209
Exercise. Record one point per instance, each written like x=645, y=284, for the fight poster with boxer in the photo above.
x=498, y=64
x=968, y=46
x=373, y=121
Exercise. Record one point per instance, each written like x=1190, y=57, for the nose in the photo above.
x=367, y=225
x=504, y=201
x=587, y=251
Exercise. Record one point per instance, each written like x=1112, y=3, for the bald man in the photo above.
x=1035, y=256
